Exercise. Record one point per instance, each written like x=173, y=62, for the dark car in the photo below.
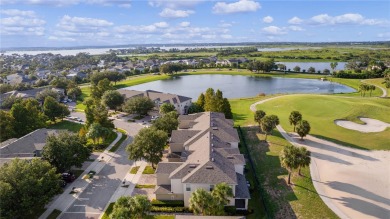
x=68, y=177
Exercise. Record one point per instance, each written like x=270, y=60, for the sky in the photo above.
x=67, y=23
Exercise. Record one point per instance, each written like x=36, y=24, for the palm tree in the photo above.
x=303, y=158
x=288, y=159
x=221, y=194
x=294, y=118
x=259, y=115
x=202, y=202
x=267, y=126
x=303, y=128
x=371, y=88
x=135, y=207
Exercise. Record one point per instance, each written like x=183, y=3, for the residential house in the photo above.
x=26, y=147
x=203, y=153
x=181, y=103
x=29, y=93
x=17, y=78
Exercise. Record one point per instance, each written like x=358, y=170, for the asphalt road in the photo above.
x=94, y=198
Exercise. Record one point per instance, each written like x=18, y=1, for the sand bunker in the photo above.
x=371, y=125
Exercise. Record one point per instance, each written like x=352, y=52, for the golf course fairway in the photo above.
x=322, y=110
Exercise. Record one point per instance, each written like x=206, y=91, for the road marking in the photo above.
x=79, y=205
x=83, y=198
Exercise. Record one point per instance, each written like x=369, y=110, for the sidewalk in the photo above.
x=63, y=201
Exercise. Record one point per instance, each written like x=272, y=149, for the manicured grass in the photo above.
x=54, y=214
x=149, y=170
x=116, y=146
x=321, y=111
x=146, y=186
x=377, y=82
x=110, y=208
x=71, y=126
x=102, y=145
x=282, y=201
x=134, y=170
x=242, y=115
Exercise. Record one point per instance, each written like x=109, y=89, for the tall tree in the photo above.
x=28, y=116
x=226, y=109
x=26, y=186
x=131, y=207
x=259, y=115
x=267, y=126
x=65, y=150
x=98, y=90
x=333, y=65
x=112, y=99
x=311, y=70
x=297, y=68
x=53, y=109
x=151, y=142
x=41, y=96
x=138, y=105
x=166, y=108
x=294, y=118
x=167, y=122
x=303, y=158
x=210, y=103
x=74, y=93
x=201, y=100
x=303, y=128
x=96, y=132
x=6, y=125
x=289, y=159
x=371, y=88
x=202, y=202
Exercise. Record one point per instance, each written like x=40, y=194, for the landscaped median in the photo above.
x=110, y=208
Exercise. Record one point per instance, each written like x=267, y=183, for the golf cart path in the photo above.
x=384, y=91
x=353, y=183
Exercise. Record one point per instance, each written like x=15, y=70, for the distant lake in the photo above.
x=317, y=65
x=277, y=49
x=237, y=86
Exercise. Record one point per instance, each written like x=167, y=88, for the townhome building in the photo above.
x=203, y=153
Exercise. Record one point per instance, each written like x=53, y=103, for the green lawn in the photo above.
x=282, y=201
x=322, y=110
x=134, y=170
x=377, y=82
x=148, y=170
x=116, y=146
x=71, y=126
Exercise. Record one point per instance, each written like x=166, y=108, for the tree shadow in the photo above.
x=240, y=117
x=275, y=191
x=349, y=188
x=366, y=207
x=329, y=158
x=340, y=142
x=339, y=150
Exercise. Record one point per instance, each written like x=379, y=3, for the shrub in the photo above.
x=169, y=209
x=230, y=210
x=167, y=203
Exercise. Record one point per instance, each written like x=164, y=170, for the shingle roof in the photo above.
x=163, y=189
x=155, y=96
x=182, y=135
x=242, y=190
x=167, y=167
x=28, y=145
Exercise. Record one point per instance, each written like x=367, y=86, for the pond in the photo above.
x=236, y=86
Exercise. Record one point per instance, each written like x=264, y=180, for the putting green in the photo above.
x=321, y=111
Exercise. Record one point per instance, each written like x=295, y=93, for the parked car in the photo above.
x=68, y=177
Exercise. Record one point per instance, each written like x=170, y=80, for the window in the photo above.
x=188, y=187
x=211, y=188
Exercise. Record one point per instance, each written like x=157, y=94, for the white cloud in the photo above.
x=161, y=24
x=209, y=36
x=69, y=39
x=16, y=12
x=184, y=24
x=295, y=28
x=268, y=19
x=226, y=36
x=236, y=7
x=171, y=13
x=295, y=20
x=384, y=35
x=174, y=4
x=81, y=24
x=349, y=18
x=274, y=30
x=19, y=25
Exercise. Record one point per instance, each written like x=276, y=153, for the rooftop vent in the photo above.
x=215, y=128
x=212, y=159
x=192, y=165
x=209, y=167
x=230, y=157
x=212, y=145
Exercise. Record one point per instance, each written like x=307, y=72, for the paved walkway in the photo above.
x=384, y=91
x=353, y=183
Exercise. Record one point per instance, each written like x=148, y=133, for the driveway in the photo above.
x=353, y=183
